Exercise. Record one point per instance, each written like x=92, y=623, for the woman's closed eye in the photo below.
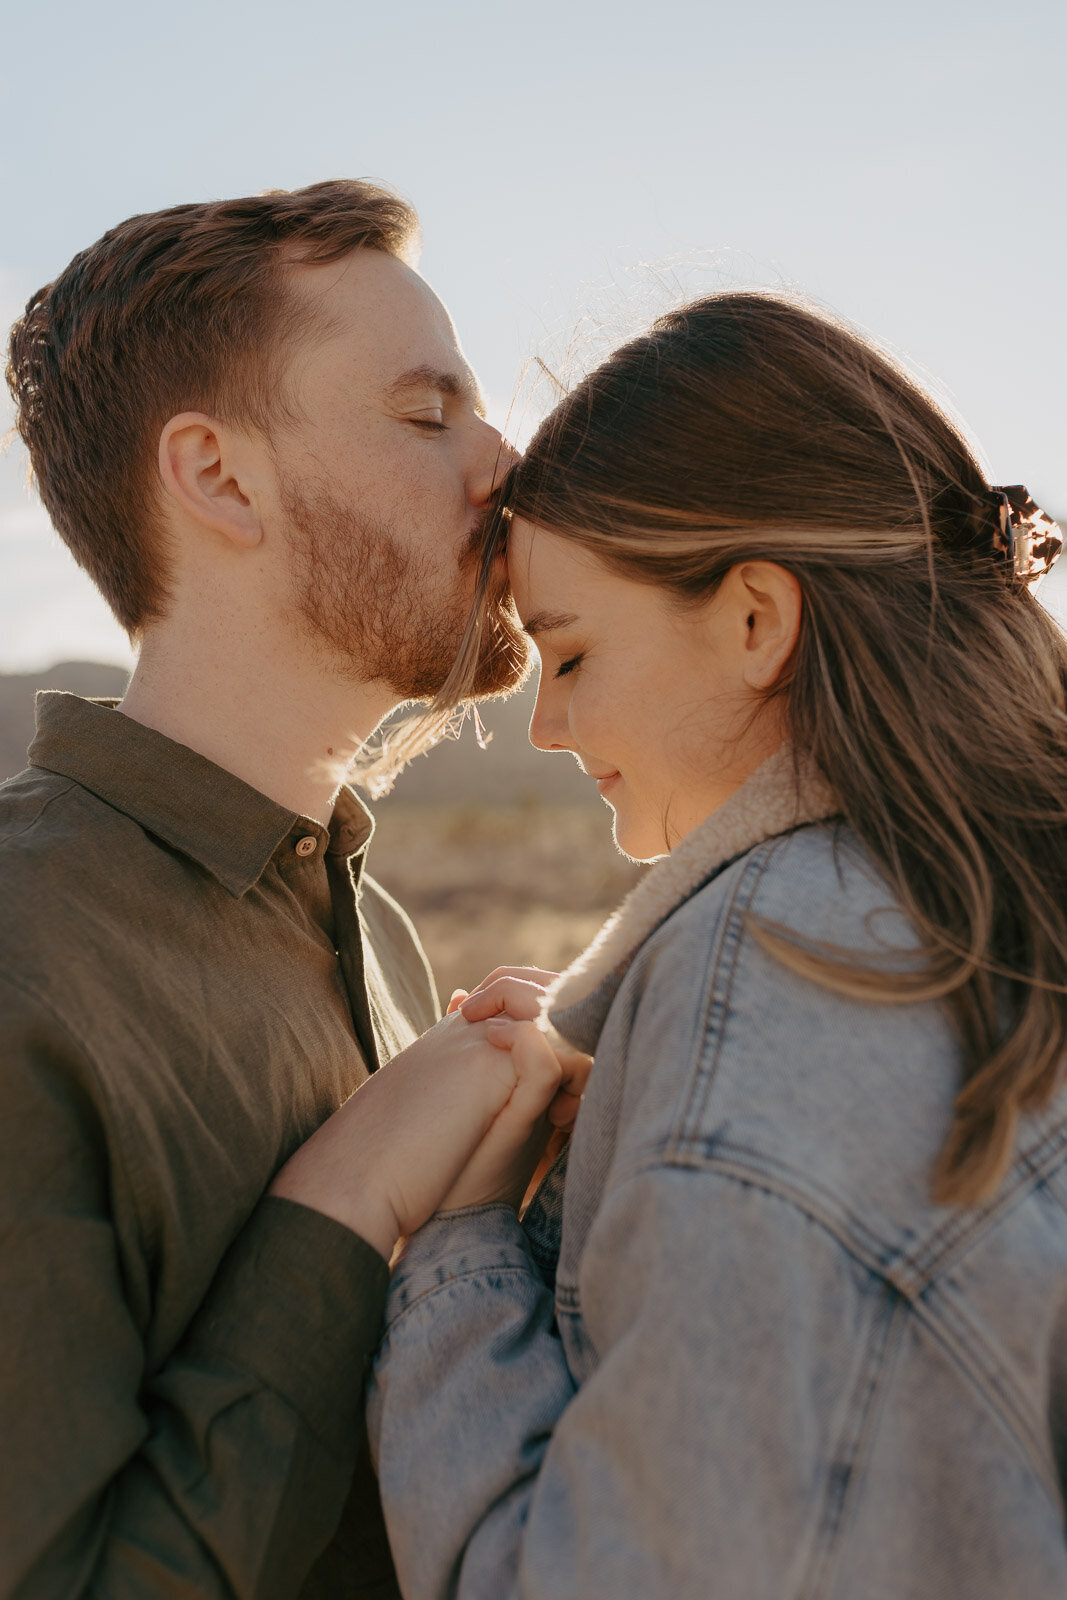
x=570, y=665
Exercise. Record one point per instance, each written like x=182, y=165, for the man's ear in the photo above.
x=773, y=603
x=203, y=472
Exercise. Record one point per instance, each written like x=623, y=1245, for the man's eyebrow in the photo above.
x=456, y=385
x=548, y=622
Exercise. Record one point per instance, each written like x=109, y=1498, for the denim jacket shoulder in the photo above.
x=714, y=1057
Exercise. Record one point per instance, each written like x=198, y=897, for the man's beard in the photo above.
x=372, y=604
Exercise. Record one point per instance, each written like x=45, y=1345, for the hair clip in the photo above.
x=1025, y=538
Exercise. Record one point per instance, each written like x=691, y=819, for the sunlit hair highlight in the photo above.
x=929, y=690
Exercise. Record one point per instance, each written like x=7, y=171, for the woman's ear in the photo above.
x=202, y=472
x=773, y=604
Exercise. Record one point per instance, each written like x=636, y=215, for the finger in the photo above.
x=517, y=997
x=563, y=1109
x=536, y=1066
x=526, y=974
x=575, y=1068
x=458, y=996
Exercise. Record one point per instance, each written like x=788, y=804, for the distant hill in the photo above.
x=509, y=772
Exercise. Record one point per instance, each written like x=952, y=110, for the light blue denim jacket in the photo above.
x=768, y=1366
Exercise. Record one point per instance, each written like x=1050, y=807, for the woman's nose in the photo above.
x=548, y=725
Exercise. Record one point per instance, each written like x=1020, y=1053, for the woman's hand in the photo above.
x=532, y=975
x=383, y=1163
x=509, y=1000
x=518, y=992
x=499, y=1171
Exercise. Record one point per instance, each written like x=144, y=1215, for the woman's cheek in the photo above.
x=590, y=717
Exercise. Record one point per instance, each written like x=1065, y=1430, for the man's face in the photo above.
x=384, y=478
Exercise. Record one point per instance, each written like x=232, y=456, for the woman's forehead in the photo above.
x=556, y=582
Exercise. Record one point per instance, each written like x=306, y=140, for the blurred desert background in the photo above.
x=501, y=855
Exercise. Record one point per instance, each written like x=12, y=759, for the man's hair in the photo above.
x=187, y=309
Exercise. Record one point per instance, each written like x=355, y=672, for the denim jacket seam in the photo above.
x=843, y=1473
x=847, y=1463
x=962, y=1231
x=909, y=1271
x=963, y=1343
x=915, y=1294
x=844, y=1470
x=822, y=1206
x=483, y=1270
x=718, y=987
x=771, y=1182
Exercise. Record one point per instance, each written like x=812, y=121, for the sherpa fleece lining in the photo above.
x=781, y=794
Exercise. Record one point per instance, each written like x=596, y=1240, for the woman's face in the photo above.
x=660, y=702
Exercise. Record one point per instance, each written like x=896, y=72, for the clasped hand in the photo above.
x=459, y=1118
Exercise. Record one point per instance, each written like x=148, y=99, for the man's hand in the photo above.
x=383, y=1163
x=459, y=1118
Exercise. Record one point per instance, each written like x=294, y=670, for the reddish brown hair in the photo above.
x=177, y=310
x=930, y=690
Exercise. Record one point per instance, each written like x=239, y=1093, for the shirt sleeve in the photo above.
x=224, y=1472
x=693, y=1460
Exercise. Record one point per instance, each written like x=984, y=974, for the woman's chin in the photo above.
x=637, y=840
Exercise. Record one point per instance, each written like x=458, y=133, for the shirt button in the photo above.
x=307, y=846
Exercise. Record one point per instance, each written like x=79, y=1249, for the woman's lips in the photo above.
x=605, y=783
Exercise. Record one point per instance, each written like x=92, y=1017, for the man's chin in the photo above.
x=503, y=663
x=497, y=676
x=505, y=659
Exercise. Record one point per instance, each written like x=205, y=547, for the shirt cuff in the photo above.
x=298, y=1302
x=457, y=1244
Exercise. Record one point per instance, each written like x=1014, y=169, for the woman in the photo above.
x=807, y=1330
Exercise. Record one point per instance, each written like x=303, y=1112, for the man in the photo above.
x=253, y=426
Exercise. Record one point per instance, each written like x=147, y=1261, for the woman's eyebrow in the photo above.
x=456, y=385
x=548, y=622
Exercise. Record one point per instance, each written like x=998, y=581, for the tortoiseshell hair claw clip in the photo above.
x=1025, y=538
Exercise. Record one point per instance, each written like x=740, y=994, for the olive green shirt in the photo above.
x=191, y=979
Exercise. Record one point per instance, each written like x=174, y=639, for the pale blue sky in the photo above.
x=573, y=163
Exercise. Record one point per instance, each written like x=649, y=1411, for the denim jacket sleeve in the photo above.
x=501, y=1479
x=776, y=1367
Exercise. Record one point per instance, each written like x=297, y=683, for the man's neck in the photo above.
x=283, y=725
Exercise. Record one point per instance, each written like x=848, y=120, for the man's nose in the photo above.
x=495, y=458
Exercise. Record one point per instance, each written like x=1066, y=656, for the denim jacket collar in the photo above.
x=784, y=793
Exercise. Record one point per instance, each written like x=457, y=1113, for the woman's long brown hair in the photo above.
x=929, y=690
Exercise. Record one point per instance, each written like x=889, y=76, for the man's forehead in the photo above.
x=392, y=322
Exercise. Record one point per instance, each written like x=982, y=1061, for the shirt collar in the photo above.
x=215, y=818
